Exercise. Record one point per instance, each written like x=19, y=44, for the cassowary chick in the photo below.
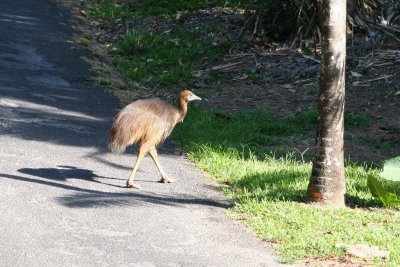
x=147, y=122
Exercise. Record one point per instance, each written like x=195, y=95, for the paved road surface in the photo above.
x=62, y=200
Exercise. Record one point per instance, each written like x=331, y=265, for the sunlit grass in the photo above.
x=269, y=187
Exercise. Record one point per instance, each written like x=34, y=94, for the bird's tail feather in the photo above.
x=116, y=142
x=116, y=148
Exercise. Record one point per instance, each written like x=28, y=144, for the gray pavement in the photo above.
x=62, y=195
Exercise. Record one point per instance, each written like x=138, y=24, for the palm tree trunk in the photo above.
x=327, y=182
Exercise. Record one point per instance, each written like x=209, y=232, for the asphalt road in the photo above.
x=62, y=195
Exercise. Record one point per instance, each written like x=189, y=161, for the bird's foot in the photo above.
x=132, y=185
x=167, y=180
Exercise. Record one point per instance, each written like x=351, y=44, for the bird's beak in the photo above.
x=193, y=97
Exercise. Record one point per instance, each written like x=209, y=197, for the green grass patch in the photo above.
x=353, y=120
x=101, y=80
x=170, y=7
x=394, y=128
x=378, y=143
x=257, y=132
x=237, y=150
x=167, y=58
x=125, y=10
x=111, y=12
x=102, y=69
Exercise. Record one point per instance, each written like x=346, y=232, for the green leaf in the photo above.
x=378, y=191
x=391, y=169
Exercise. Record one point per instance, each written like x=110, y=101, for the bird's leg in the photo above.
x=154, y=156
x=142, y=152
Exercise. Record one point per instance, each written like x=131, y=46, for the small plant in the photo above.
x=391, y=172
x=102, y=80
x=114, y=13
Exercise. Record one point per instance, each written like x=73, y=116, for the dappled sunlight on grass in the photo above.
x=299, y=230
x=269, y=188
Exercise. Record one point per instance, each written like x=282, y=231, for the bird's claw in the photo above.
x=167, y=180
x=132, y=185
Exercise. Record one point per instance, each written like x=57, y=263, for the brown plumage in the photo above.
x=147, y=122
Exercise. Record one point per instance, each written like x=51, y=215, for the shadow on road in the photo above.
x=46, y=93
x=62, y=173
x=134, y=199
x=46, y=96
x=86, y=198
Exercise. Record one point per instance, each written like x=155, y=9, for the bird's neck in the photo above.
x=182, y=107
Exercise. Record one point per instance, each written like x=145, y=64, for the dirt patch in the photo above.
x=336, y=262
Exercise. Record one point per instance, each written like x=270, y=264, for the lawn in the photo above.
x=269, y=187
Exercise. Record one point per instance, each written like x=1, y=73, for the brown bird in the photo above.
x=147, y=122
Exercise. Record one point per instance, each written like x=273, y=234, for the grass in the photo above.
x=242, y=131
x=102, y=69
x=113, y=11
x=166, y=59
x=248, y=152
x=101, y=80
x=258, y=132
x=394, y=128
x=378, y=143
x=238, y=151
x=170, y=7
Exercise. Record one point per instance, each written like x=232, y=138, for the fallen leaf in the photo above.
x=311, y=58
x=287, y=86
x=384, y=77
x=355, y=74
x=175, y=41
x=197, y=74
x=178, y=15
x=225, y=66
x=241, y=76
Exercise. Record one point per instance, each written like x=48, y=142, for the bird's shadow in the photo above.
x=85, y=197
x=61, y=173
x=64, y=173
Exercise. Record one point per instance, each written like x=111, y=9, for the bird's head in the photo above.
x=188, y=96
